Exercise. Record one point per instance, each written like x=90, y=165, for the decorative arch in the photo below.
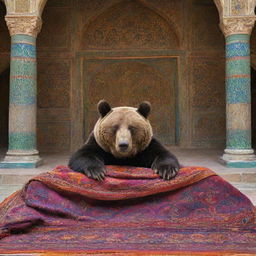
x=41, y=5
x=129, y=25
x=220, y=5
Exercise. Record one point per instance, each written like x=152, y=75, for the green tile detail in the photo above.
x=236, y=67
x=6, y=165
x=22, y=140
x=237, y=37
x=241, y=164
x=23, y=38
x=23, y=68
x=22, y=91
x=239, y=139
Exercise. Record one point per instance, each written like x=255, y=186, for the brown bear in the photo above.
x=123, y=136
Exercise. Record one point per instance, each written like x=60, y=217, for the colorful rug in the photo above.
x=132, y=211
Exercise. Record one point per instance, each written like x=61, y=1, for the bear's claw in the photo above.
x=167, y=174
x=166, y=168
x=97, y=173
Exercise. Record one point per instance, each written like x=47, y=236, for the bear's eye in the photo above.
x=132, y=129
x=114, y=128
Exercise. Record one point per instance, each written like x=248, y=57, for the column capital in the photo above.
x=21, y=24
x=237, y=25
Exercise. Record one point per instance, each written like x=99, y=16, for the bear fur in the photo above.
x=123, y=136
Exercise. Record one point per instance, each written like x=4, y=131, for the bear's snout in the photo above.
x=123, y=146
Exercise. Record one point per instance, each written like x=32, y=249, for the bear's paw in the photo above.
x=166, y=167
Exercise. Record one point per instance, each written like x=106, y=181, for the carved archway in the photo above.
x=219, y=4
x=129, y=25
x=41, y=5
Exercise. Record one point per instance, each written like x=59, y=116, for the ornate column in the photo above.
x=22, y=152
x=238, y=152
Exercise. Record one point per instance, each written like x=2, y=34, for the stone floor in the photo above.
x=242, y=178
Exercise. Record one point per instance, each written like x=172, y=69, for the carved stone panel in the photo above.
x=129, y=81
x=22, y=6
x=56, y=32
x=208, y=82
x=205, y=32
x=53, y=83
x=239, y=7
x=237, y=25
x=208, y=101
x=53, y=136
x=129, y=25
x=208, y=129
x=173, y=11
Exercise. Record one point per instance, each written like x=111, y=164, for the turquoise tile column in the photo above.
x=238, y=152
x=22, y=152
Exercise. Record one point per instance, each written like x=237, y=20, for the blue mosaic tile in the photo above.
x=238, y=90
x=239, y=139
x=23, y=50
x=237, y=49
x=22, y=140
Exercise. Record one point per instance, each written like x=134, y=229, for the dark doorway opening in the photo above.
x=253, y=100
x=4, y=107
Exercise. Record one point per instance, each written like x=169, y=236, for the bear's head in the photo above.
x=123, y=131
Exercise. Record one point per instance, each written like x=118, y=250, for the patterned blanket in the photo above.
x=131, y=211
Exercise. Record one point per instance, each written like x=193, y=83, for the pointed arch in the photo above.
x=220, y=6
x=41, y=5
x=129, y=24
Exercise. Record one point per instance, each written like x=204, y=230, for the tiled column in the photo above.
x=238, y=152
x=22, y=152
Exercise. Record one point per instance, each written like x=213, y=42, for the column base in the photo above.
x=239, y=158
x=21, y=159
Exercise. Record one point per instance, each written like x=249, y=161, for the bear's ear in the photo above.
x=103, y=107
x=144, y=108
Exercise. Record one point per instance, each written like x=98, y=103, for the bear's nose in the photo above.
x=123, y=146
